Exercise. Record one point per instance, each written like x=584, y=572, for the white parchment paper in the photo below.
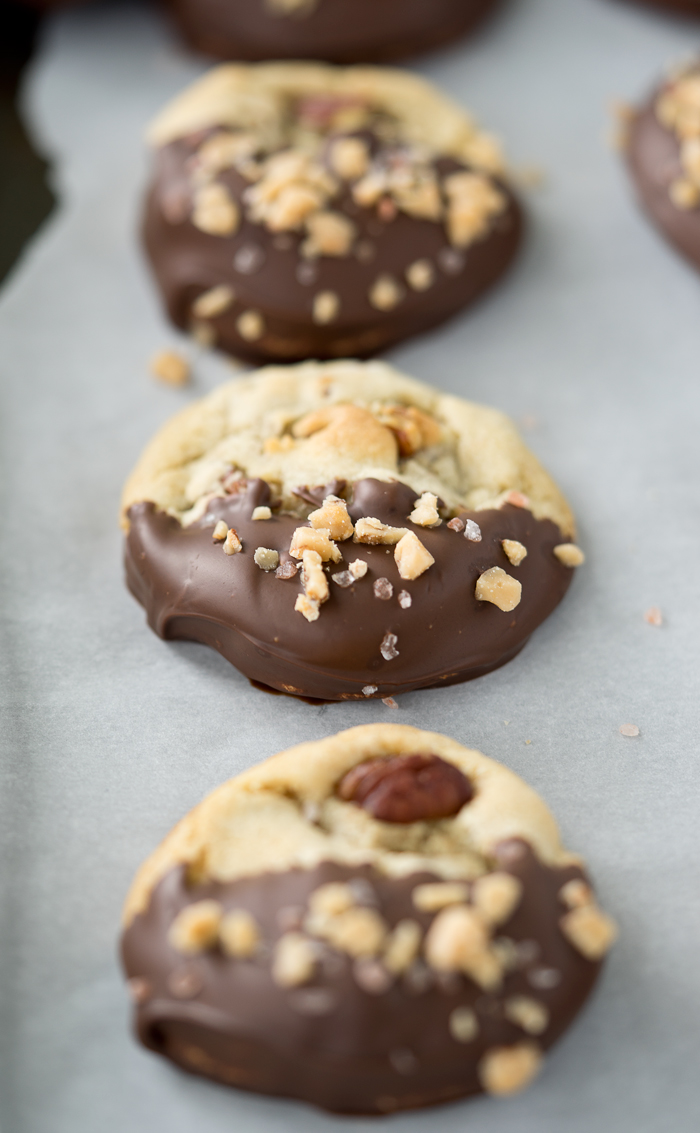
x=109, y=735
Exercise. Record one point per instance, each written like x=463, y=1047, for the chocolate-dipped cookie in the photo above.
x=377, y=921
x=340, y=531
x=663, y=156
x=302, y=211
x=339, y=31
x=686, y=7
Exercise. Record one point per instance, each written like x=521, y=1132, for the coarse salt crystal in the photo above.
x=388, y=647
x=472, y=531
x=383, y=589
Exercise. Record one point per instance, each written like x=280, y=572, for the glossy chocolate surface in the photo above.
x=339, y=31
x=192, y=591
x=654, y=160
x=330, y=1042
x=269, y=275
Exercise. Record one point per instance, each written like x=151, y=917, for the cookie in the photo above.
x=339, y=31
x=341, y=531
x=302, y=211
x=377, y=921
x=663, y=156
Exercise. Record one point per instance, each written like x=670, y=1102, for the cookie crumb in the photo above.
x=388, y=648
x=383, y=589
x=233, y=544
x=171, y=368
x=266, y=558
x=369, y=690
x=261, y=513
x=630, y=730
x=389, y=702
x=220, y=532
x=653, y=616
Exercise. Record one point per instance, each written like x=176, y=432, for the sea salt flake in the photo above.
x=389, y=701
x=456, y=524
x=388, y=648
x=383, y=589
x=405, y=599
x=343, y=579
x=630, y=730
x=653, y=616
x=369, y=690
x=472, y=531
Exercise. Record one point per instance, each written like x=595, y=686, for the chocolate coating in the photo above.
x=265, y=270
x=341, y=31
x=330, y=1042
x=654, y=161
x=192, y=591
x=407, y=788
x=687, y=7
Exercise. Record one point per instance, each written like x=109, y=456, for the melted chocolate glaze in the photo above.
x=330, y=1042
x=188, y=262
x=192, y=591
x=339, y=31
x=689, y=7
x=654, y=160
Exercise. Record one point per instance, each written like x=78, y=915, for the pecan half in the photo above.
x=407, y=788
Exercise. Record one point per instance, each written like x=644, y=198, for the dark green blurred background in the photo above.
x=25, y=196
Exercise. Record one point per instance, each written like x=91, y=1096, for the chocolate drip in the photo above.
x=330, y=1042
x=192, y=591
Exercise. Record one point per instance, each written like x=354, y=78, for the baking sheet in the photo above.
x=109, y=735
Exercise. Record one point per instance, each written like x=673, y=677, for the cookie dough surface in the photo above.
x=341, y=531
x=287, y=939
x=300, y=210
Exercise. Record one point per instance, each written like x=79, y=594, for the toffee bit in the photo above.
x=472, y=531
x=286, y=570
x=369, y=690
x=388, y=648
x=456, y=524
x=343, y=579
x=389, y=701
x=383, y=589
x=405, y=599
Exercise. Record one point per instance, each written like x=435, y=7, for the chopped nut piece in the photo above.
x=472, y=531
x=684, y=193
x=591, y=931
x=349, y=158
x=474, y=203
x=386, y=293
x=368, y=191
x=412, y=428
x=463, y=1024
x=213, y=302
x=330, y=899
x=286, y=569
x=239, y=934
x=215, y=211
x=315, y=581
x=388, y=648
x=370, y=530
x=307, y=607
x=171, y=368
x=412, y=558
x=326, y=307
x=402, y=946
x=358, y=931
x=405, y=599
x=439, y=894
x=261, y=513
x=220, y=531
x=329, y=234
x=576, y=893
x=294, y=960
x=369, y=690
x=456, y=524
x=333, y=517
x=250, y=325
x=502, y=589
x=496, y=896
x=653, y=616
x=630, y=730
x=233, y=544
x=196, y=927
x=383, y=589
x=506, y=1069
x=278, y=444
x=316, y=539
x=425, y=512
x=569, y=554
x=420, y=275
x=266, y=558
x=515, y=552
x=358, y=568
x=527, y=1013
x=458, y=941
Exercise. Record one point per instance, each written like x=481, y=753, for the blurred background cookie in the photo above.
x=663, y=156
x=342, y=531
x=340, y=31
x=298, y=210
x=377, y=921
